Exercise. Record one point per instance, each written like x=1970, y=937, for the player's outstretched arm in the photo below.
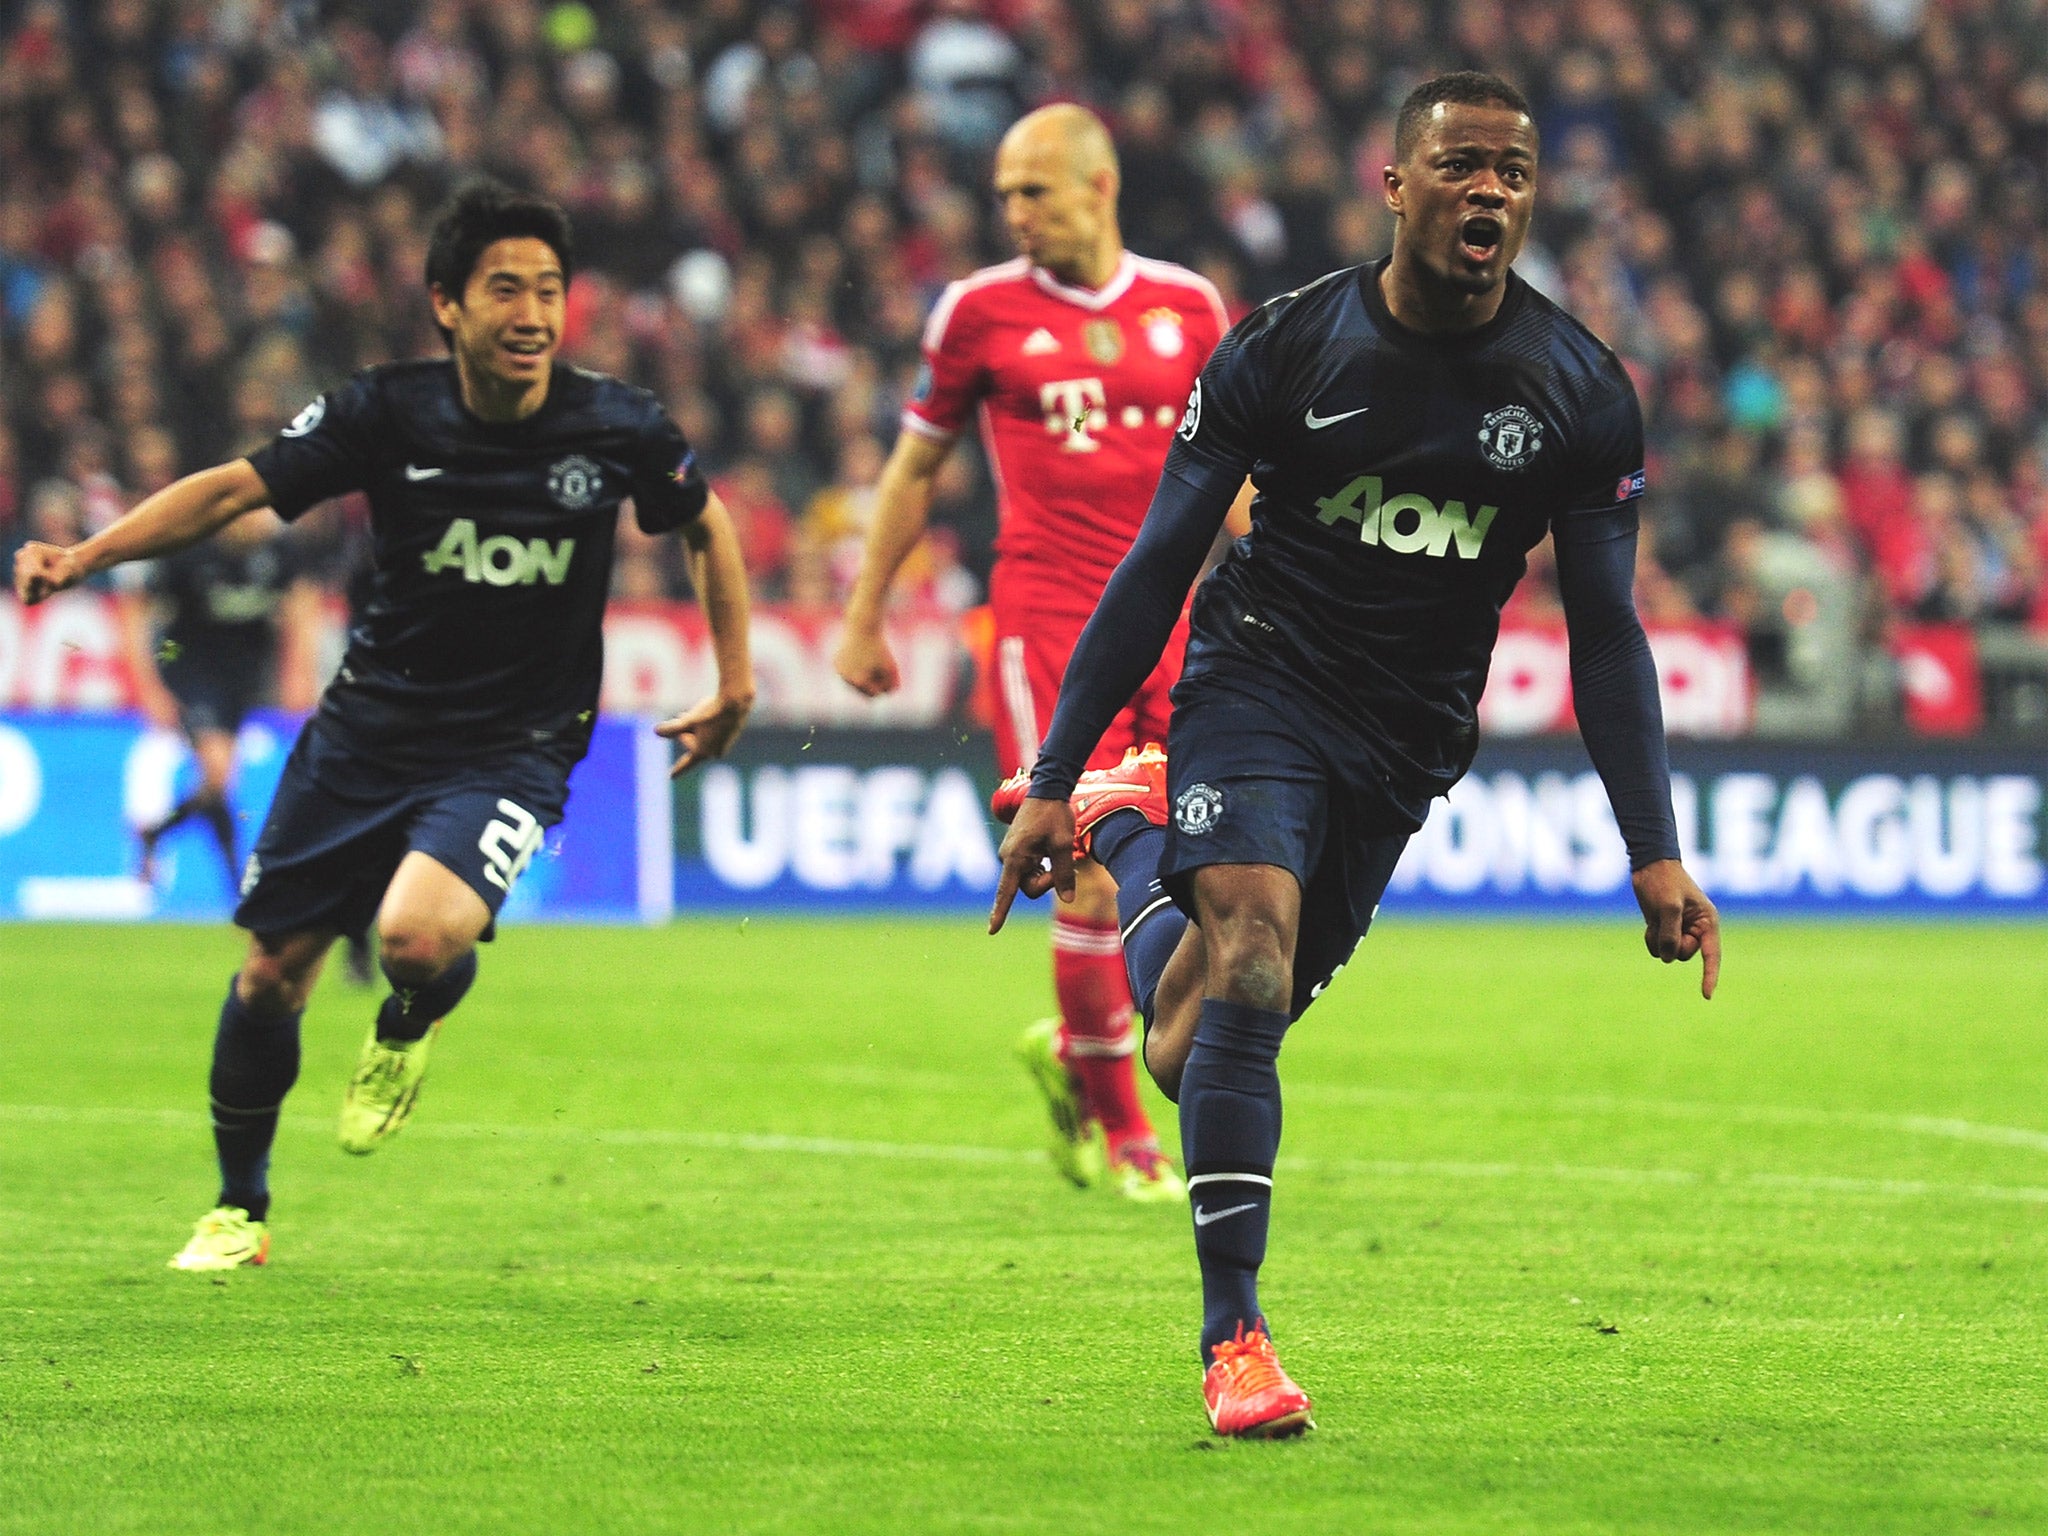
x=712, y=550
x=1678, y=920
x=1614, y=688
x=181, y=513
x=1037, y=855
x=903, y=503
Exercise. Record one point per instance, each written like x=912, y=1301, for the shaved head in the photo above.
x=1073, y=135
x=1056, y=178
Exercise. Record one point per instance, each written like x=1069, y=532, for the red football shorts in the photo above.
x=1031, y=651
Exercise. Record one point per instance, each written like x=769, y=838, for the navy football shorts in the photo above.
x=1249, y=780
x=340, y=825
x=213, y=699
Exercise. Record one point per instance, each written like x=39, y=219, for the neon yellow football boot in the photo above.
x=1076, y=1136
x=225, y=1238
x=1145, y=1174
x=383, y=1090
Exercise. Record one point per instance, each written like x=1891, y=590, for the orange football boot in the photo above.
x=1138, y=783
x=1247, y=1393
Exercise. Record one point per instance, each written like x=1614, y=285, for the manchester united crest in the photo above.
x=1511, y=436
x=574, y=482
x=1104, y=340
x=1198, y=810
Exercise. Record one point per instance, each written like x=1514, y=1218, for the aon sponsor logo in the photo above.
x=501, y=560
x=1407, y=525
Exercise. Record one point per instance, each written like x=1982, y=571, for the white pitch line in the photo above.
x=716, y=1141
x=1944, y=1127
x=831, y=1146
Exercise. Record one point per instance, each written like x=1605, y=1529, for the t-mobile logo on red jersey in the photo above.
x=1072, y=407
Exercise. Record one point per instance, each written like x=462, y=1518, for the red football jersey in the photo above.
x=1079, y=394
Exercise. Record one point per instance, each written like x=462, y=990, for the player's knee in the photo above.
x=271, y=986
x=414, y=954
x=1250, y=964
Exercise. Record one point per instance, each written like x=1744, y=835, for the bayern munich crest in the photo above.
x=1163, y=332
x=1198, y=810
x=1511, y=436
x=574, y=482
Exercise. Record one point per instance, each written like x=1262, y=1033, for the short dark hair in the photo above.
x=1461, y=88
x=482, y=212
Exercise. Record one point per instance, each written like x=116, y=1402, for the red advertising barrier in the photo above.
x=65, y=654
x=657, y=658
x=68, y=655
x=1702, y=673
x=1939, y=678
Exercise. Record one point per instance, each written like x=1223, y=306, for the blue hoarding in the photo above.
x=73, y=789
x=873, y=819
x=1766, y=827
x=840, y=820
x=849, y=820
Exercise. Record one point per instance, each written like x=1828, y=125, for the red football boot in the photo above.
x=1138, y=783
x=1247, y=1393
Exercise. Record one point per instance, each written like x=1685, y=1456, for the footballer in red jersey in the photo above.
x=1076, y=360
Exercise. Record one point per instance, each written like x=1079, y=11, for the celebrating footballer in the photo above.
x=1414, y=427
x=440, y=755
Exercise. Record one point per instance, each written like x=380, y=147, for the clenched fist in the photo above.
x=43, y=569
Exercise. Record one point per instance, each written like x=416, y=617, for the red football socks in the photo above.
x=1097, y=1042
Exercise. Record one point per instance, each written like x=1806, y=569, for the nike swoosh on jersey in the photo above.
x=414, y=472
x=1317, y=423
x=1203, y=1218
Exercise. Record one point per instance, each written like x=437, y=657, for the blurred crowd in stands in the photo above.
x=1815, y=230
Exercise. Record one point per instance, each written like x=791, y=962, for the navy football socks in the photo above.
x=255, y=1063
x=1129, y=846
x=409, y=1012
x=1229, y=1136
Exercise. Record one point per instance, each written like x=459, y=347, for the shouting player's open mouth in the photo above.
x=1479, y=237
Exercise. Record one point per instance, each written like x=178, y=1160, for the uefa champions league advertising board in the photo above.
x=892, y=820
x=1766, y=828
x=857, y=819
x=73, y=789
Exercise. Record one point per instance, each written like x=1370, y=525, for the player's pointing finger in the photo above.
x=1006, y=893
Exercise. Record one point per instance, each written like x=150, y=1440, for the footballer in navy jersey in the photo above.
x=1403, y=480
x=491, y=551
x=440, y=755
x=233, y=624
x=1413, y=428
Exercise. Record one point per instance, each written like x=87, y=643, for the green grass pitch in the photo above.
x=743, y=1227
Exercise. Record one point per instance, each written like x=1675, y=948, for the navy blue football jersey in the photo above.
x=1402, y=480
x=481, y=627
x=220, y=601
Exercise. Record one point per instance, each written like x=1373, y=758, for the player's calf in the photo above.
x=385, y=1086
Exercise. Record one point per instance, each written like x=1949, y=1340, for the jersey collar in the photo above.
x=1118, y=285
x=1376, y=305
